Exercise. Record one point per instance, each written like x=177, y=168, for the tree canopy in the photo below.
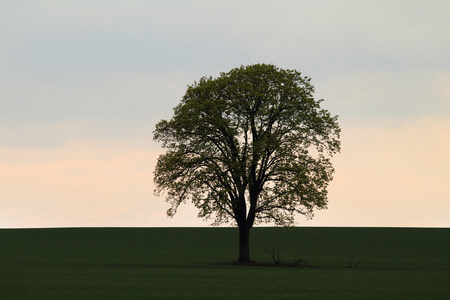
x=252, y=145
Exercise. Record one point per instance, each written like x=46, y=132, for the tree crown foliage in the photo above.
x=251, y=145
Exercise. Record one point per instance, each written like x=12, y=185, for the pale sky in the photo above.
x=83, y=83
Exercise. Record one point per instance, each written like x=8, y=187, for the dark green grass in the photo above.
x=183, y=263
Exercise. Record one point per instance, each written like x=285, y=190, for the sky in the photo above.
x=83, y=83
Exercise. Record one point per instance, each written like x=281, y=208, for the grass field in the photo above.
x=185, y=263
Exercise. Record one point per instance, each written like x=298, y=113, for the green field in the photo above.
x=183, y=263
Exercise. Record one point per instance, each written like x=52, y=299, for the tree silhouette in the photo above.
x=250, y=146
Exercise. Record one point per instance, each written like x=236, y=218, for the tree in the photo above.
x=251, y=145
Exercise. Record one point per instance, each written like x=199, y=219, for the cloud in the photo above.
x=391, y=177
x=322, y=37
x=385, y=98
x=121, y=61
x=65, y=38
x=85, y=183
x=115, y=105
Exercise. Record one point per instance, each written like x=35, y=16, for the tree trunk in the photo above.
x=244, y=245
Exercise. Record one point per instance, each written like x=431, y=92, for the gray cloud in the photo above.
x=123, y=63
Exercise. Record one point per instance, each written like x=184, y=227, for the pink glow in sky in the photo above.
x=83, y=84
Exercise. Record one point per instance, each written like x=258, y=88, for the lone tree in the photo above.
x=251, y=145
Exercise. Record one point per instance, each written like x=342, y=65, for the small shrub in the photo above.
x=354, y=263
x=297, y=263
